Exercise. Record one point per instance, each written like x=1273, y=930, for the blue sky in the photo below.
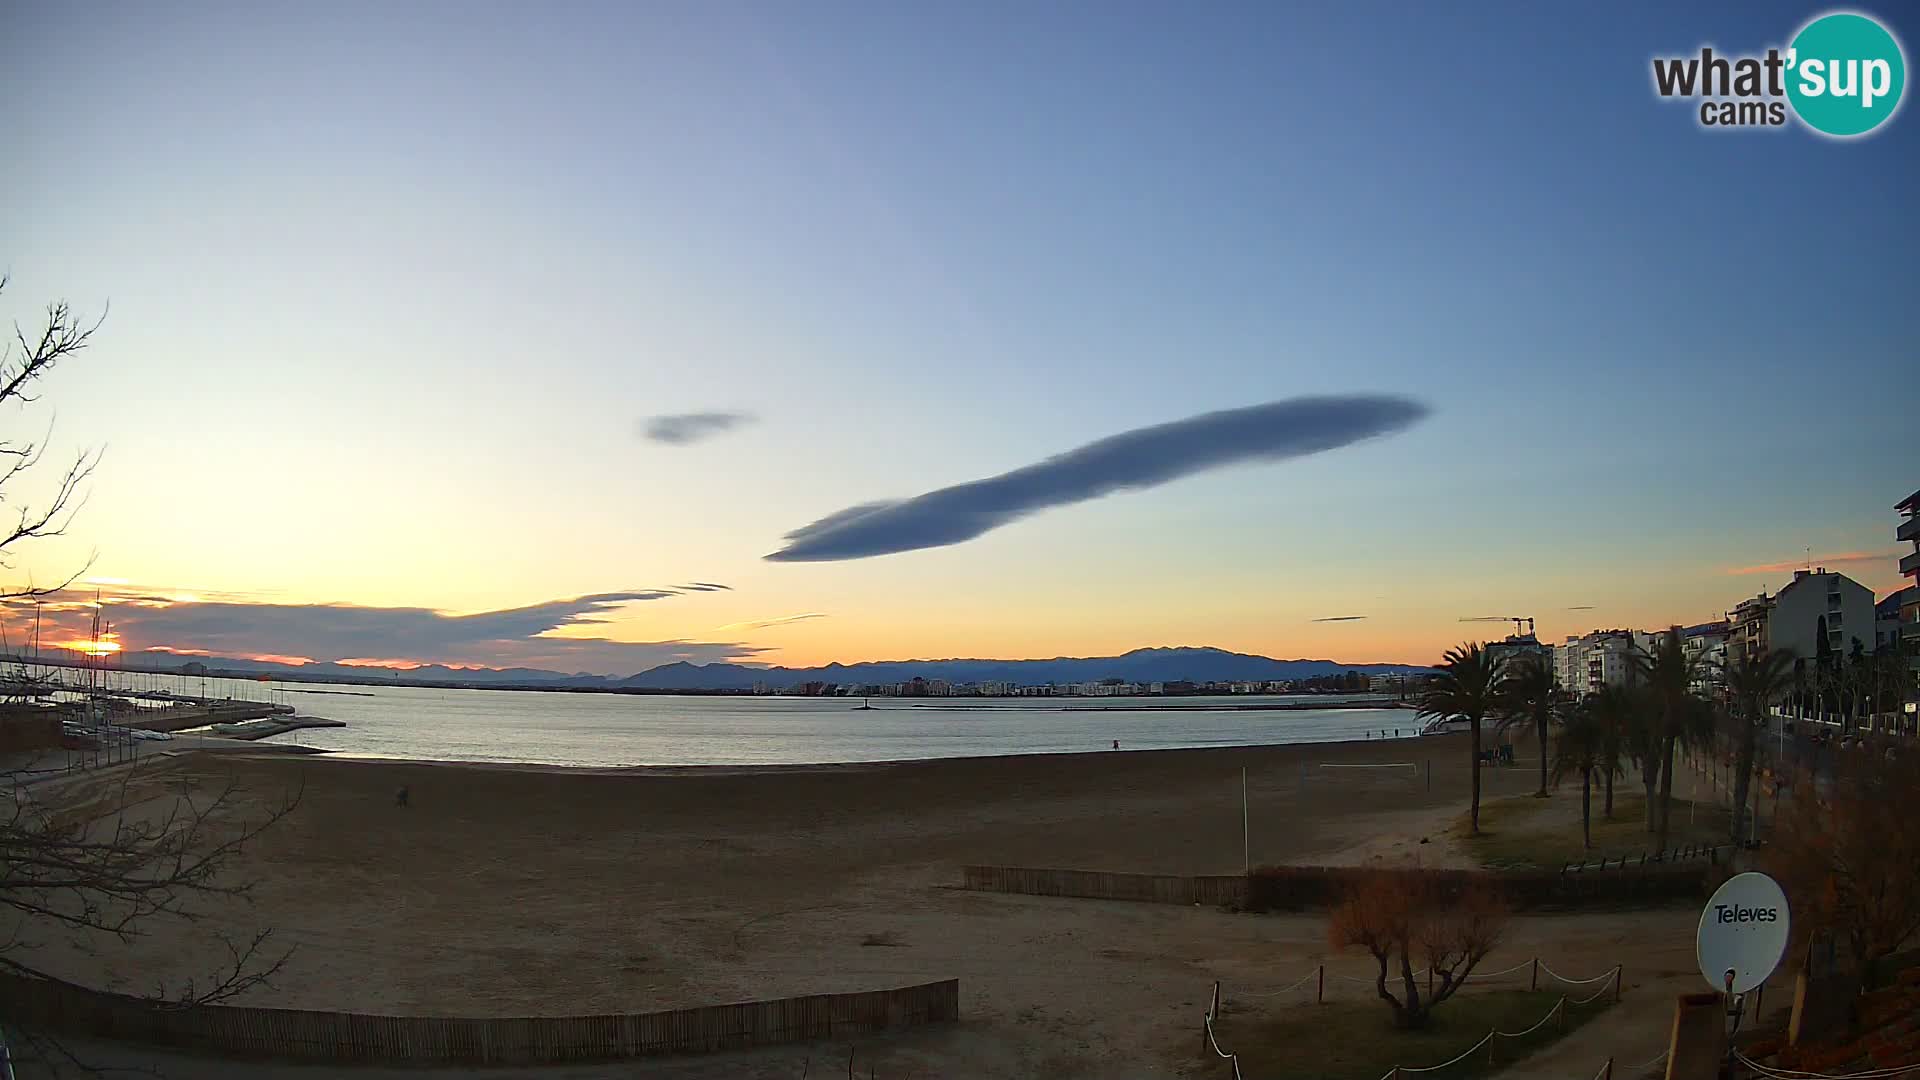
x=394, y=288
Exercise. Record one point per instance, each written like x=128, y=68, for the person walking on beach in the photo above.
x=400, y=797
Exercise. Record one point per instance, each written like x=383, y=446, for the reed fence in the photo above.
x=1224, y=889
x=1283, y=888
x=518, y=1040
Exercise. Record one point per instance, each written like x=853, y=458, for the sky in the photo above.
x=477, y=333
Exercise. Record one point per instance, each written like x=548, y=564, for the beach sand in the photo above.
x=514, y=890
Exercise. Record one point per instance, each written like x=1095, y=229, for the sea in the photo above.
x=588, y=729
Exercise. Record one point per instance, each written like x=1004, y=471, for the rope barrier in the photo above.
x=1551, y=1013
x=1207, y=1021
x=1796, y=1074
x=1577, y=982
x=1464, y=1055
x=1484, y=1040
x=1521, y=966
x=1610, y=979
x=1297, y=984
x=1649, y=1063
x=1595, y=996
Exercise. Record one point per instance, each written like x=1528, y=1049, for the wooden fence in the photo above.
x=522, y=1040
x=1229, y=889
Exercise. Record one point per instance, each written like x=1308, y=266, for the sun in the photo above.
x=102, y=647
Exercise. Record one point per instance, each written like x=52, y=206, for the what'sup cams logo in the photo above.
x=1843, y=75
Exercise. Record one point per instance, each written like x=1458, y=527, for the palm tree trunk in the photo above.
x=1474, y=813
x=1650, y=779
x=1540, y=732
x=1666, y=792
x=1586, y=808
x=1743, y=775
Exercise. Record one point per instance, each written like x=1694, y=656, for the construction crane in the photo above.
x=1516, y=620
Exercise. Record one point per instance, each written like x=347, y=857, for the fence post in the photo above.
x=1618, y=971
x=1320, y=991
x=1534, y=982
x=1606, y=1071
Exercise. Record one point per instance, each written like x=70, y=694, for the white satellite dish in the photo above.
x=1743, y=933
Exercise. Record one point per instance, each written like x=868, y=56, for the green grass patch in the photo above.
x=1519, y=833
x=1356, y=1039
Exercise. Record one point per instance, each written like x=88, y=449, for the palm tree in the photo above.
x=1587, y=746
x=1754, y=685
x=1640, y=742
x=1468, y=686
x=1528, y=696
x=1679, y=717
x=1613, y=711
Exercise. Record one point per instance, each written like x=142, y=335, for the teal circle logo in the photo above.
x=1845, y=74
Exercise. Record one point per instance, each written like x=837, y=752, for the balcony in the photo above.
x=1909, y=529
x=1911, y=564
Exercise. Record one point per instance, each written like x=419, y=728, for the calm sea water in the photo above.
x=622, y=729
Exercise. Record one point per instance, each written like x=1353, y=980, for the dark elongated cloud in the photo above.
x=1340, y=618
x=679, y=429
x=1132, y=460
x=1581, y=607
x=554, y=634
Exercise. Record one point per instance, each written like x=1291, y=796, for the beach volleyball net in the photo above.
x=1346, y=773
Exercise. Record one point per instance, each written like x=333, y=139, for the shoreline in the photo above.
x=1163, y=754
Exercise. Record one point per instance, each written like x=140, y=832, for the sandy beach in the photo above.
x=512, y=890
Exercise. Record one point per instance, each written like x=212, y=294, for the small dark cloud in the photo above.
x=1130, y=461
x=706, y=586
x=679, y=429
x=1340, y=618
x=1581, y=607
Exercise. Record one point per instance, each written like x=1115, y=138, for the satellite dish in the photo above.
x=1743, y=933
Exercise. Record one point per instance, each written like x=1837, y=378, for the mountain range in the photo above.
x=1151, y=665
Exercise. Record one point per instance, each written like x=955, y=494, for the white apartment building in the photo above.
x=1584, y=664
x=1820, y=602
x=1705, y=646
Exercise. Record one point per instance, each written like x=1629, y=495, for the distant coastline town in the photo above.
x=1399, y=684
x=1855, y=654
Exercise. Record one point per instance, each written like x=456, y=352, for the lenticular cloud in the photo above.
x=1130, y=461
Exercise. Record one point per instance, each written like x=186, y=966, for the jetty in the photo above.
x=193, y=714
x=265, y=728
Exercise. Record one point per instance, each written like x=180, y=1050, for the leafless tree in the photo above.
x=93, y=859
x=1406, y=916
x=1847, y=847
x=24, y=360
